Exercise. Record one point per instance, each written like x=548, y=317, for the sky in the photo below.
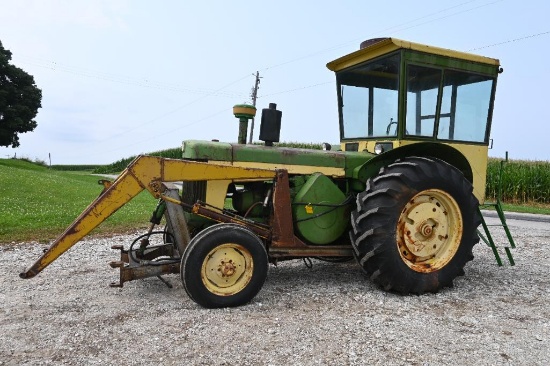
x=126, y=77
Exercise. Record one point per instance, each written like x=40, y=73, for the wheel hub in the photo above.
x=227, y=269
x=426, y=230
x=429, y=230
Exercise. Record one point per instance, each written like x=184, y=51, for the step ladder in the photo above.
x=487, y=238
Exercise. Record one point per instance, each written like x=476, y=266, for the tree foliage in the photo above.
x=20, y=99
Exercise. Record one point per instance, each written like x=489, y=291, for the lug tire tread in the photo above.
x=373, y=224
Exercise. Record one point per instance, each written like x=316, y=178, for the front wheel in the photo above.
x=415, y=225
x=224, y=265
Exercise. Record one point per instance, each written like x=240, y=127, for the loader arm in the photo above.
x=145, y=172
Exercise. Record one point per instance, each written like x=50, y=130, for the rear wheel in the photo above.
x=415, y=225
x=224, y=265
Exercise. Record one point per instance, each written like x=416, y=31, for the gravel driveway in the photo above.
x=327, y=314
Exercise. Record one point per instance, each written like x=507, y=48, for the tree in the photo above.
x=20, y=99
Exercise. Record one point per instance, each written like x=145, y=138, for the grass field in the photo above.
x=37, y=203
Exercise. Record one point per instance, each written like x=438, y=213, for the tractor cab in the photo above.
x=394, y=93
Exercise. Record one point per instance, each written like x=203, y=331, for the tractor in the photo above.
x=400, y=195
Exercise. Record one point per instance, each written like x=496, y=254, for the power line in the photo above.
x=173, y=111
x=296, y=89
x=121, y=79
x=142, y=83
x=164, y=133
x=397, y=28
x=511, y=41
x=225, y=110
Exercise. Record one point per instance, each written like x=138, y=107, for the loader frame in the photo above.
x=155, y=175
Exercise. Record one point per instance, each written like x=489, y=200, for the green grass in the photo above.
x=533, y=208
x=37, y=203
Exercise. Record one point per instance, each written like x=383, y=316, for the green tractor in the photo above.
x=400, y=195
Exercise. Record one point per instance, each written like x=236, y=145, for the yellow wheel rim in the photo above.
x=429, y=231
x=227, y=269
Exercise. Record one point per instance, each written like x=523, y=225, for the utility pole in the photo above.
x=254, y=97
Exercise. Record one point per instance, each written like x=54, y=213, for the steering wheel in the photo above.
x=389, y=126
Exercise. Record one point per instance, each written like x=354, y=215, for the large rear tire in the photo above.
x=224, y=265
x=415, y=225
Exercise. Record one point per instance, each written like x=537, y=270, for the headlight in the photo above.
x=381, y=147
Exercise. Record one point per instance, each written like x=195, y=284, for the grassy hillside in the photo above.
x=37, y=203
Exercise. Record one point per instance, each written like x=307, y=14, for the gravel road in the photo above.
x=327, y=314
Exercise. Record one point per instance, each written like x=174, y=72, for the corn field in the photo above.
x=522, y=181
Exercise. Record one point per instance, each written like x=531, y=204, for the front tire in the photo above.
x=224, y=265
x=415, y=225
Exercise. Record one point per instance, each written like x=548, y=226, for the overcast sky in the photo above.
x=121, y=78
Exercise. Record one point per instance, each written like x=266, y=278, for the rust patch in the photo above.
x=281, y=221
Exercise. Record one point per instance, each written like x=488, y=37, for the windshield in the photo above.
x=369, y=98
x=465, y=104
x=465, y=107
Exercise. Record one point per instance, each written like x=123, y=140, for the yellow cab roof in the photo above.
x=376, y=47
